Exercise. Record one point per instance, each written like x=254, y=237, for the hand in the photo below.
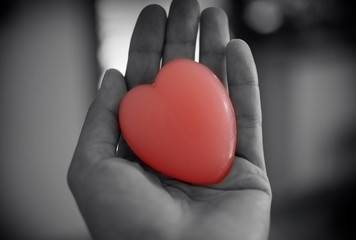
x=120, y=197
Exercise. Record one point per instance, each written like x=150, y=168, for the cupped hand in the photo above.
x=119, y=196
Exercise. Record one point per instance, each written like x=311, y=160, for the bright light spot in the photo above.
x=111, y=54
x=263, y=16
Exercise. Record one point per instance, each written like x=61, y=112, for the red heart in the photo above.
x=183, y=125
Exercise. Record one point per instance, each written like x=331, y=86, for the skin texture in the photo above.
x=122, y=198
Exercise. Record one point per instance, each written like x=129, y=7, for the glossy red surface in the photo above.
x=183, y=125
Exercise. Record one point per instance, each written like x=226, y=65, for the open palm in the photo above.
x=119, y=196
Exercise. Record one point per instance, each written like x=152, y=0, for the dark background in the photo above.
x=52, y=54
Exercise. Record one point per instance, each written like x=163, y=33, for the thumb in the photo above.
x=100, y=132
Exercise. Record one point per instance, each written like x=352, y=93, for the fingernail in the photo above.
x=104, y=78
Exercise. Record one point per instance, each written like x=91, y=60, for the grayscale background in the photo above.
x=53, y=53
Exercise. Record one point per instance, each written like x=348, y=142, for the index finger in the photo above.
x=146, y=46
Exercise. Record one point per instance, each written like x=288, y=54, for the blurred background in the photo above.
x=53, y=53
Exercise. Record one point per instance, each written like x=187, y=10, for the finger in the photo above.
x=214, y=35
x=182, y=30
x=124, y=151
x=100, y=132
x=245, y=97
x=146, y=46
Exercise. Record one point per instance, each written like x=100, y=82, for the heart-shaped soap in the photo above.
x=183, y=125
